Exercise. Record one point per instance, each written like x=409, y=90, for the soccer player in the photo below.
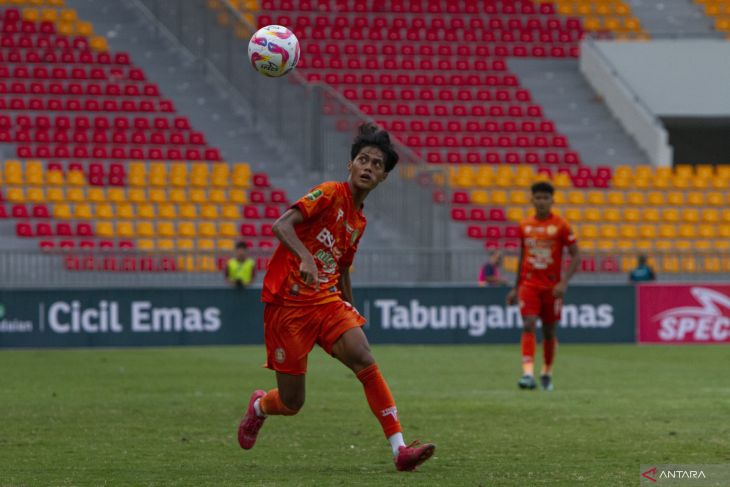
x=309, y=298
x=539, y=287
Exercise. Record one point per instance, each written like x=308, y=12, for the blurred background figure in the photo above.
x=643, y=271
x=491, y=273
x=241, y=268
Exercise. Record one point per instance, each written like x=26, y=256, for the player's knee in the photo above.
x=528, y=327
x=293, y=402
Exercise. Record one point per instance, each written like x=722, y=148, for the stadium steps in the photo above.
x=673, y=18
x=568, y=100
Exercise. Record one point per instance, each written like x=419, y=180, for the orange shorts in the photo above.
x=290, y=332
x=539, y=301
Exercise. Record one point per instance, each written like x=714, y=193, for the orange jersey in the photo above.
x=331, y=231
x=542, y=250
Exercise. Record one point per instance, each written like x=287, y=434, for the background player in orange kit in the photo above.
x=308, y=297
x=539, y=287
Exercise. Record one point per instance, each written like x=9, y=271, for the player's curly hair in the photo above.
x=370, y=135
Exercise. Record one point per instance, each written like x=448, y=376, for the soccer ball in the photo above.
x=273, y=50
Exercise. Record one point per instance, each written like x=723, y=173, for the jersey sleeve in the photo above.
x=316, y=201
x=568, y=237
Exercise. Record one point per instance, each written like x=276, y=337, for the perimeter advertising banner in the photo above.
x=211, y=316
x=676, y=313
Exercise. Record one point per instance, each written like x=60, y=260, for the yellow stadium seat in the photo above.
x=670, y=214
x=96, y=195
x=721, y=245
x=225, y=244
x=616, y=198
x=499, y=197
x=198, y=196
x=644, y=172
x=237, y=196
x=606, y=245
x=105, y=229
x=62, y=211
x=707, y=231
x=624, y=245
x=217, y=196
x=683, y=171
x=126, y=211
x=209, y=212
x=157, y=178
x=691, y=215
x=116, y=195
x=635, y=198
x=597, y=198
x=632, y=214
x=592, y=214
x=157, y=195
x=702, y=245
x=84, y=28
x=612, y=214
x=55, y=178
x=662, y=183
x=589, y=231
x=560, y=198
x=687, y=231
x=166, y=229
x=698, y=183
x=207, y=229
x=675, y=198
x=76, y=178
x=165, y=244
x=125, y=229
x=56, y=195
x=573, y=214
x=664, y=172
x=644, y=245
x=76, y=195
x=655, y=198
x=177, y=195
x=588, y=245
x=104, y=211
x=725, y=215
x=188, y=211
x=723, y=171
x=623, y=172
x=36, y=195
x=626, y=231
x=230, y=212
x=68, y=15
x=227, y=229
x=650, y=215
x=518, y=197
x=643, y=183
x=576, y=197
x=167, y=211
x=137, y=195
x=185, y=244
x=696, y=198
x=667, y=231
x=479, y=197
x=608, y=230
x=723, y=231
x=145, y=243
x=562, y=181
x=179, y=174
x=146, y=210
x=647, y=231
x=49, y=15
x=515, y=213
x=704, y=171
x=99, y=44
x=206, y=244
x=187, y=229
x=710, y=215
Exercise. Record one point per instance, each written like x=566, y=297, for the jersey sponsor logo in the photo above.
x=314, y=195
x=329, y=264
x=326, y=238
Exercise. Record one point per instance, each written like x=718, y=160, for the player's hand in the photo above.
x=309, y=273
x=559, y=289
x=512, y=297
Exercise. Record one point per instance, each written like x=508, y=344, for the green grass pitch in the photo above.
x=138, y=417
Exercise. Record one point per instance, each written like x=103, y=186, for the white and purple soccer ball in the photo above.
x=273, y=51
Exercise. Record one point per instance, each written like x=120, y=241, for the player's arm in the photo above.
x=345, y=285
x=512, y=295
x=284, y=230
x=560, y=288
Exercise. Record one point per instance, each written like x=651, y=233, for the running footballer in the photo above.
x=308, y=298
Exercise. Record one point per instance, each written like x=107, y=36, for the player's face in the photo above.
x=367, y=169
x=542, y=202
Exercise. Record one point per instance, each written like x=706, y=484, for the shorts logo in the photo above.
x=279, y=355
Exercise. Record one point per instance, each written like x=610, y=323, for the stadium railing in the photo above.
x=313, y=119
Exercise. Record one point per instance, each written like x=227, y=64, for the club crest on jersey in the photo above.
x=552, y=230
x=314, y=195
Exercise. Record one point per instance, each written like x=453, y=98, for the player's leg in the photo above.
x=288, y=342
x=529, y=308
x=550, y=318
x=345, y=340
